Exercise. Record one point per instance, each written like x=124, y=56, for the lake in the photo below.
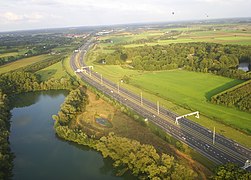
x=40, y=154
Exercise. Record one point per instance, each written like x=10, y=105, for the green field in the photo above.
x=197, y=33
x=227, y=38
x=22, y=63
x=54, y=71
x=115, y=72
x=8, y=54
x=193, y=90
x=191, y=34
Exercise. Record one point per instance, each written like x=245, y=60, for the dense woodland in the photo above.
x=201, y=57
x=239, y=97
x=6, y=156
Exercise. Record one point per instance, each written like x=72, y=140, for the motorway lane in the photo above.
x=196, y=136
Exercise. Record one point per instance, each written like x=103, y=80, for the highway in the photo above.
x=196, y=136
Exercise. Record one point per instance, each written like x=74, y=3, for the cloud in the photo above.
x=14, y=17
x=10, y=16
x=58, y=13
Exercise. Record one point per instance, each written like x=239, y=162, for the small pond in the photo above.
x=103, y=122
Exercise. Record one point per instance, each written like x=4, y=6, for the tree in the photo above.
x=231, y=171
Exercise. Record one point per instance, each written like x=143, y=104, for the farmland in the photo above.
x=232, y=34
x=193, y=90
x=22, y=63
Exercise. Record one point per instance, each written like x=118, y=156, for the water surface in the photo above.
x=40, y=154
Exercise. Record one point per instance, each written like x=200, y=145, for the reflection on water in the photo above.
x=40, y=154
x=27, y=99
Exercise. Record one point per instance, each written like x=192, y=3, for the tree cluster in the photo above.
x=17, y=82
x=74, y=104
x=6, y=156
x=232, y=172
x=238, y=97
x=142, y=159
x=202, y=57
x=20, y=81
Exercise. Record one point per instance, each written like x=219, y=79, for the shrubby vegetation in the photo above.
x=202, y=57
x=238, y=97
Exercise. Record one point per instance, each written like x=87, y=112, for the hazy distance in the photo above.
x=36, y=14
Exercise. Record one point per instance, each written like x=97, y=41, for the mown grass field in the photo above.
x=54, y=71
x=193, y=90
x=22, y=63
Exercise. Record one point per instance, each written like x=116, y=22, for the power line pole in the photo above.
x=158, y=107
x=118, y=87
x=214, y=136
x=101, y=79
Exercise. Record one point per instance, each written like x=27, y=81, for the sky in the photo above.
x=42, y=14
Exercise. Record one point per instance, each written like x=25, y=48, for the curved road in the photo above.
x=198, y=137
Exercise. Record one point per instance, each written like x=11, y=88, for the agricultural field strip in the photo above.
x=188, y=129
x=165, y=117
x=22, y=63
